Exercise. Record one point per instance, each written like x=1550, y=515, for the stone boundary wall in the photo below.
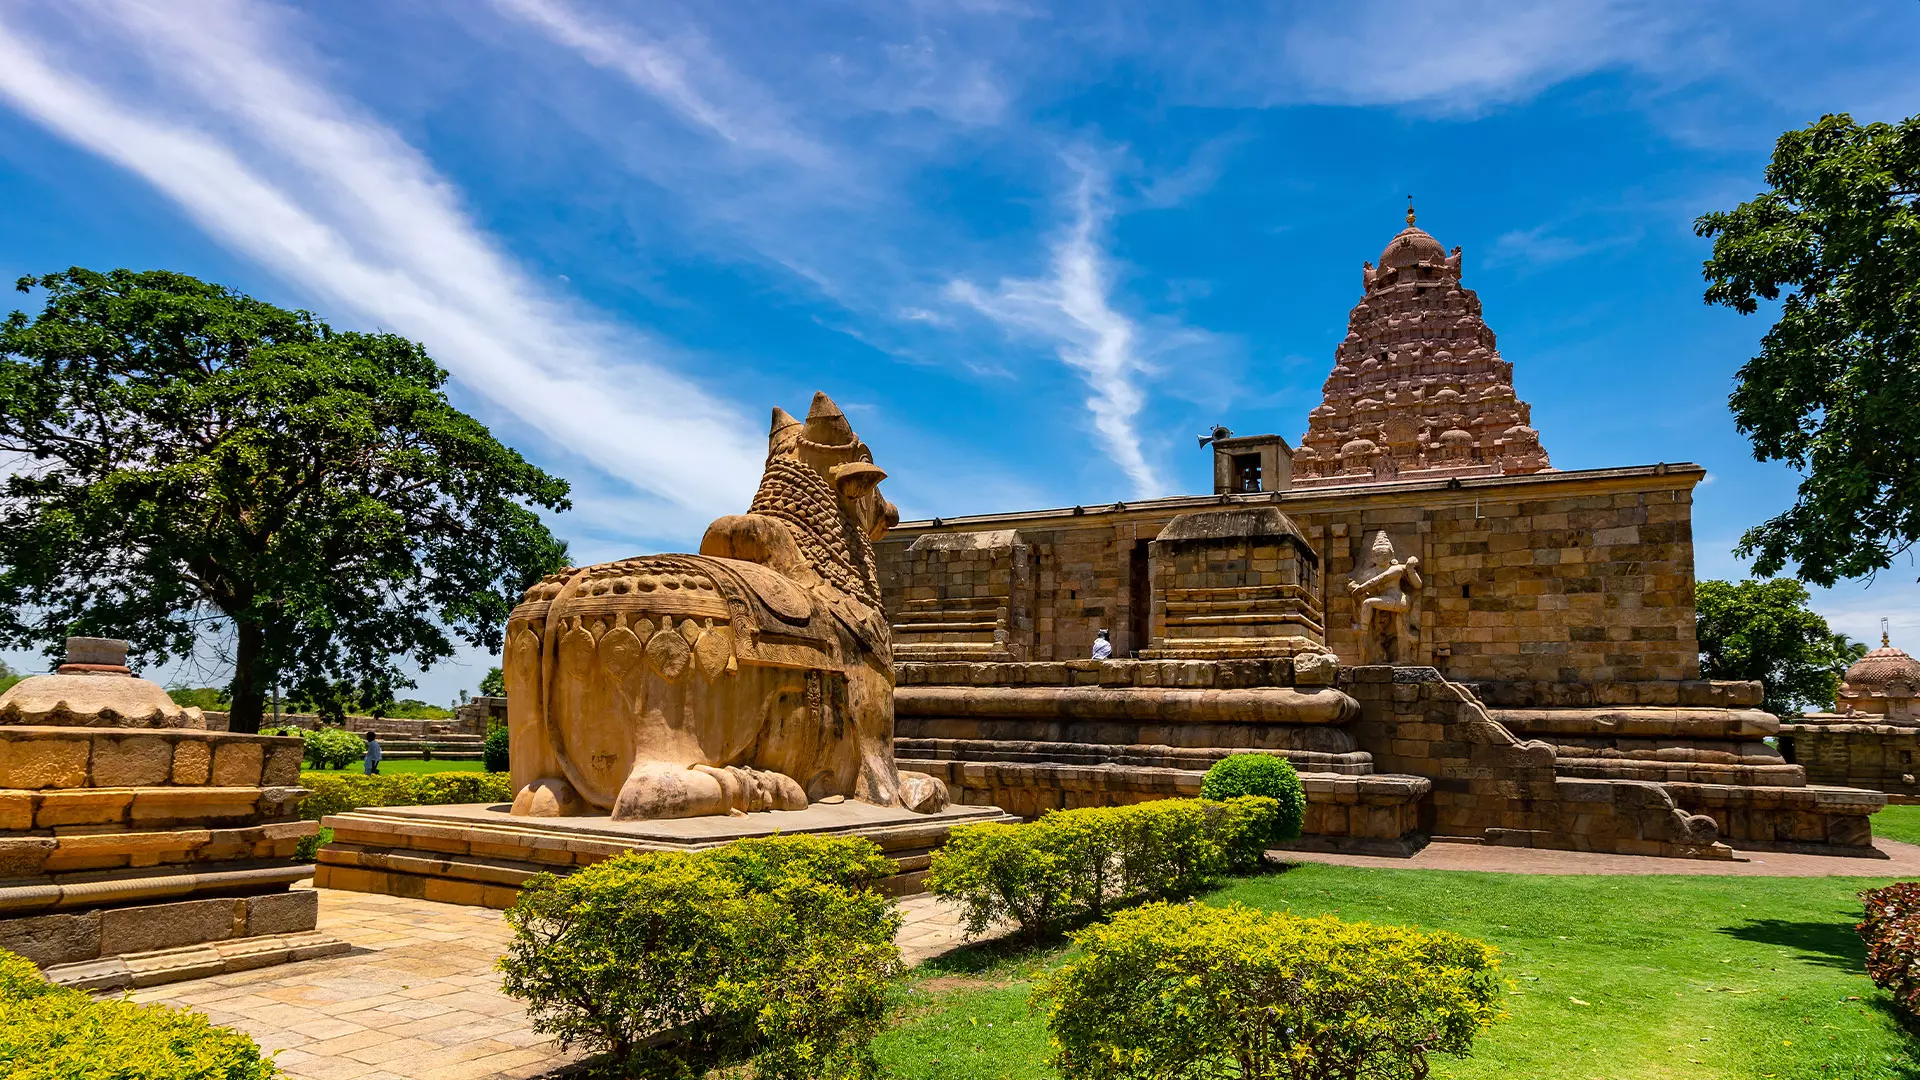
x=468, y=724
x=1879, y=757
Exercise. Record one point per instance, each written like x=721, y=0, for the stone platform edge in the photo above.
x=476, y=855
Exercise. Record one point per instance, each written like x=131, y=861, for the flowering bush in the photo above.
x=1892, y=933
x=1190, y=990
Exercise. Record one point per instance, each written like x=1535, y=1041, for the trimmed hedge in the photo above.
x=1191, y=990
x=335, y=793
x=1892, y=933
x=1261, y=774
x=775, y=953
x=1073, y=865
x=50, y=1032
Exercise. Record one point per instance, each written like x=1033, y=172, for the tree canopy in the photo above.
x=1764, y=630
x=193, y=466
x=1833, y=392
x=493, y=683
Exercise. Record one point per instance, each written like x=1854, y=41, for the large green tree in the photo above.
x=1835, y=390
x=1763, y=630
x=190, y=465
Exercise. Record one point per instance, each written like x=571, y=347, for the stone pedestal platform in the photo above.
x=479, y=854
x=136, y=846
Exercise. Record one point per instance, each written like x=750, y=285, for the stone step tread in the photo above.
x=136, y=970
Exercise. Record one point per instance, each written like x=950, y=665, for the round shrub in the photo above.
x=1264, y=775
x=1192, y=990
x=493, y=752
x=770, y=952
x=333, y=748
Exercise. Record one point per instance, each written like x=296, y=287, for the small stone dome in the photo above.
x=1412, y=245
x=1881, y=669
x=1455, y=437
x=1357, y=446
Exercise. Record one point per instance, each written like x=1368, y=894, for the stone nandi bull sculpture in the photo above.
x=756, y=675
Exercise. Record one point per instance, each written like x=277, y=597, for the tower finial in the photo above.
x=1885, y=642
x=1409, y=210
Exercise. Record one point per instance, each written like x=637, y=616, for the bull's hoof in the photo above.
x=657, y=790
x=923, y=794
x=550, y=797
x=753, y=790
x=671, y=791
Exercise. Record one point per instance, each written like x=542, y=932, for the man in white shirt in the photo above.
x=1102, y=648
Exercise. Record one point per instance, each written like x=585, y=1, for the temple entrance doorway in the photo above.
x=1139, y=598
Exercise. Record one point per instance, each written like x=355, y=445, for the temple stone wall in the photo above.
x=1553, y=588
x=964, y=596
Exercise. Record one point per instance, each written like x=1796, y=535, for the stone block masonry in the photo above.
x=1389, y=756
x=136, y=845
x=1565, y=584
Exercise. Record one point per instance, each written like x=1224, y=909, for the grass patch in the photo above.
x=1609, y=978
x=390, y=766
x=1898, y=823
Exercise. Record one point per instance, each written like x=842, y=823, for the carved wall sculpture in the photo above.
x=1418, y=390
x=756, y=675
x=1383, y=589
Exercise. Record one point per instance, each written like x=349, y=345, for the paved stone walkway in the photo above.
x=418, y=998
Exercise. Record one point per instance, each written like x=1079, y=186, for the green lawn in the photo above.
x=1898, y=823
x=1607, y=977
x=392, y=766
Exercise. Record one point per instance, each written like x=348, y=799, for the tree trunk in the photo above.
x=250, y=684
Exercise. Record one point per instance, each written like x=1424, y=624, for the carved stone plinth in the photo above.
x=137, y=847
x=480, y=855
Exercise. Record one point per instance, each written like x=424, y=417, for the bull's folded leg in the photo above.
x=659, y=789
x=551, y=796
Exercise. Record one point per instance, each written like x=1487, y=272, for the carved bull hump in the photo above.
x=756, y=675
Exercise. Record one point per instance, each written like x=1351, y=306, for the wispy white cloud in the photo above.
x=1461, y=56
x=1545, y=245
x=738, y=113
x=281, y=171
x=1072, y=308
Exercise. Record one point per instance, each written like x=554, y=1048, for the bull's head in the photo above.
x=826, y=442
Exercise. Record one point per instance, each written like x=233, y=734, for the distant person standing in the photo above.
x=372, y=765
x=1102, y=648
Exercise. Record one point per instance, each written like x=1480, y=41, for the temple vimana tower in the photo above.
x=1447, y=636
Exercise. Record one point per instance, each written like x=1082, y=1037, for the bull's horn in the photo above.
x=826, y=424
x=783, y=430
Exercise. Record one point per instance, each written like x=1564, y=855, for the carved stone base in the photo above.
x=479, y=854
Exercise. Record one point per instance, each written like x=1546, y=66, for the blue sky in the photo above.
x=1032, y=250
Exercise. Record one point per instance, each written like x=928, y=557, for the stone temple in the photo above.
x=1872, y=737
x=1449, y=637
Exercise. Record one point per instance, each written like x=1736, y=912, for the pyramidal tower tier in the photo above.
x=1418, y=390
